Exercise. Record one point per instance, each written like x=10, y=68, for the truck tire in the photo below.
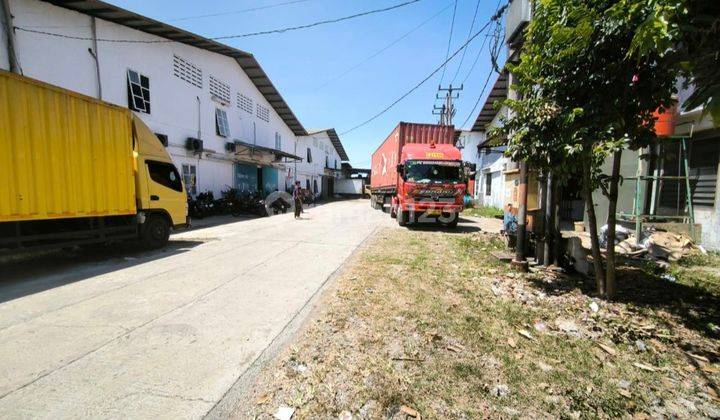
x=393, y=211
x=155, y=232
x=402, y=218
x=453, y=223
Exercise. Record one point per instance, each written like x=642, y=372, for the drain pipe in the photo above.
x=10, y=35
x=94, y=53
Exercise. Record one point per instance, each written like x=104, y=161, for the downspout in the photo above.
x=94, y=53
x=10, y=35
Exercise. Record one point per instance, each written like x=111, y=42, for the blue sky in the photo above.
x=304, y=65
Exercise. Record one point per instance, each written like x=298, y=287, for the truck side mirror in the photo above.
x=400, y=168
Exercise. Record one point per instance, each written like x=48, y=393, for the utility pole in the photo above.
x=447, y=110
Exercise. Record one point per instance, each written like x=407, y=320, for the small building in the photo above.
x=323, y=155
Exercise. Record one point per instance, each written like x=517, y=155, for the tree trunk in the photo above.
x=612, y=219
x=592, y=225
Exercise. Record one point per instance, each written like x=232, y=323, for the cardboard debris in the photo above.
x=410, y=412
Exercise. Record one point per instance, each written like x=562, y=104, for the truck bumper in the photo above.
x=431, y=207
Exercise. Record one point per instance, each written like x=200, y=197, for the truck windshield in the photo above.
x=432, y=172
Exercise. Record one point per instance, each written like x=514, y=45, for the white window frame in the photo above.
x=222, y=127
x=189, y=174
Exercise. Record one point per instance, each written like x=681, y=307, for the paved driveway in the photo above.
x=126, y=334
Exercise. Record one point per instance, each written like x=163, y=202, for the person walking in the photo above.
x=297, y=196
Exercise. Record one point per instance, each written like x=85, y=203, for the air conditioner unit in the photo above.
x=163, y=139
x=230, y=147
x=193, y=144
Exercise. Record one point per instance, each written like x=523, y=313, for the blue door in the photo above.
x=269, y=179
x=246, y=177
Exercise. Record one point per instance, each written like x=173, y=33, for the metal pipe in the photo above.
x=10, y=35
x=94, y=53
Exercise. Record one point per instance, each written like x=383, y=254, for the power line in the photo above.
x=487, y=80
x=237, y=12
x=495, y=17
x=497, y=10
x=452, y=26
x=472, y=26
x=385, y=48
x=217, y=38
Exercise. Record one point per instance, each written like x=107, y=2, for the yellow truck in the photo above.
x=75, y=170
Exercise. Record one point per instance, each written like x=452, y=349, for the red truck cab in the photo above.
x=431, y=184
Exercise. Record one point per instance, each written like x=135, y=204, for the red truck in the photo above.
x=420, y=173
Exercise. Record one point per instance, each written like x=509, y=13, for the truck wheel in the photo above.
x=402, y=217
x=453, y=223
x=155, y=232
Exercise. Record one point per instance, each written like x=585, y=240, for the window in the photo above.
x=309, y=155
x=327, y=162
x=220, y=91
x=315, y=189
x=138, y=88
x=164, y=174
x=221, y=123
x=335, y=163
x=189, y=173
x=307, y=184
x=245, y=103
x=185, y=70
x=263, y=113
x=488, y=183
x=278, y=141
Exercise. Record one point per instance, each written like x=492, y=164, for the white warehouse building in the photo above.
x=221, y=118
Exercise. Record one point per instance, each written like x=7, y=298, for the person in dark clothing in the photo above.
x=297, y=196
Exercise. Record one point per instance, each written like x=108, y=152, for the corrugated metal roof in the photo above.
x=247, y=61
x=488, y=111
x=335, y=139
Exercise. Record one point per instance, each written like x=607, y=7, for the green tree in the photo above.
x=576, y=62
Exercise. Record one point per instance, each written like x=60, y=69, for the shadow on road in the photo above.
x=35, y=273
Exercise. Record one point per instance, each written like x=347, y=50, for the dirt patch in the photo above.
x=426, y=324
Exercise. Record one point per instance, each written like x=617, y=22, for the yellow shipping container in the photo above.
x=62, y=154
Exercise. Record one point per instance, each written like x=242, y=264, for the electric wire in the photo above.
x=452, y=27
x=494, y=18
x=218, y=38
x=385, y=48
x=462, y=57
x=237, y=12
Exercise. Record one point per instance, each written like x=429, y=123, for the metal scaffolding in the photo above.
x=637, y=216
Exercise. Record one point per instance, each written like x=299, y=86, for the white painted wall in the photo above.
x=321, y=147
x=174, y=103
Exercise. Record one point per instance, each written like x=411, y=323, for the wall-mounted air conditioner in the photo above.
x=194, y=145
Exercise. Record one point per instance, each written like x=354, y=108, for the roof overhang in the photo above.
x=243, y=148
x=247, y=61
x=488, y=112
x=335, y=140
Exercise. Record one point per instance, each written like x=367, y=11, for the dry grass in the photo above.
x=431, y=321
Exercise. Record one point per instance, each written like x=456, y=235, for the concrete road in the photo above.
x=124, y=334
